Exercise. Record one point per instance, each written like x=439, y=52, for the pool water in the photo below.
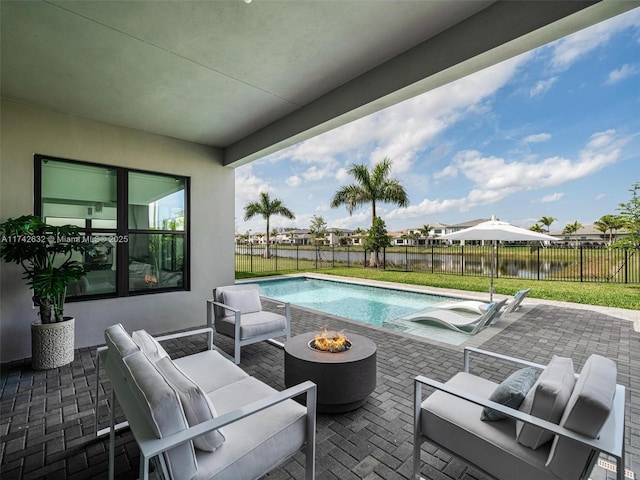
x=383, y=307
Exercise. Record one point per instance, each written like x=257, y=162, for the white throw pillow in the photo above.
x=161, y=403
x=195, y=403
x=547, y=400
x=245, y=300
x=149, y=345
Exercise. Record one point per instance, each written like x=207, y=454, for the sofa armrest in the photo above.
x=469, y=350
x=150, y=446
x=188, y=333
x=610, y=440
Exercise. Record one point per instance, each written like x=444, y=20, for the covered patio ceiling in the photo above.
x=253, y=78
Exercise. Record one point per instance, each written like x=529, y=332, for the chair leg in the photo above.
x=236, y=353
x=112, y=437
x=97, y=401
x=417, y=402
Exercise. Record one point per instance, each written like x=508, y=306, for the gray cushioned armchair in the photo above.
x=236, y=311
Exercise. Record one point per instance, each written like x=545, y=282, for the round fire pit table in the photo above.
x=344, y=379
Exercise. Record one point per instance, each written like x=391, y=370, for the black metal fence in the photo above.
x=580, y=263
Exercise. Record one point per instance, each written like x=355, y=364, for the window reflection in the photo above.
x=156, y=261
x=99, y=262
x=156, y=202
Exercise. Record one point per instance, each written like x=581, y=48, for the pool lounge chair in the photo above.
x=475, y=306
x=457, y=321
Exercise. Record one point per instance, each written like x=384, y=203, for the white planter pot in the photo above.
x=52, y=344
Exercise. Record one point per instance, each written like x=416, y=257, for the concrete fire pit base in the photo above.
x=344, y=379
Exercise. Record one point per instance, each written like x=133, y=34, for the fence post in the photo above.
x=276, y=255
x=462, y=259
x=333, y=256
x=581, y=264
x=432, y=260
x=538, y=251
x=297, y=257
x=251, y=257
x=406, y=258
x=317, y=253
x=348, y=256
x=384, y=258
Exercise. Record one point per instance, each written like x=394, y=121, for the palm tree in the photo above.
x=610, y=223
x=536, y=228
x=572, y=228
x=266, y=208
x=371, y=187
x=424, y=231
x=547, y=221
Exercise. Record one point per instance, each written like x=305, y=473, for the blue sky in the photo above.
x=552, y=132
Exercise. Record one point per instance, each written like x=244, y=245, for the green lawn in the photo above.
x=605, y=294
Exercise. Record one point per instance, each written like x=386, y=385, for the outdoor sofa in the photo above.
x=557, y=433
x=201, y=416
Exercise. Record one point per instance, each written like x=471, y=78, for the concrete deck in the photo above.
x=47, y=430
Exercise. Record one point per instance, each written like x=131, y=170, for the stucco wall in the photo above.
x=27, y=130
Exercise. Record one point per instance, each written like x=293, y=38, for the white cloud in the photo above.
x=542, y=86
x=570, y=49
x=554, y=197
x=342, y=175
x=622, y=73
x=494, y=179
x=537, y=138
x=401, y=131
x=600, y=197
x=314, y=174
x=293, y=181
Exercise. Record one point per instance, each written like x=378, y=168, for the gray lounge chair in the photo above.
x=458, y=321
x=236, y=311
x=475, y=306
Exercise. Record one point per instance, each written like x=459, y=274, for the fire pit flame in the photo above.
x=333, y=342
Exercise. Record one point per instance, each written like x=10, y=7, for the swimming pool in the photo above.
x=383, y=307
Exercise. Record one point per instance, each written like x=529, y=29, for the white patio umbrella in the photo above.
x=495, y=231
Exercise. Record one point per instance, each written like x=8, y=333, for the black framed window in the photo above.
x=135, y=223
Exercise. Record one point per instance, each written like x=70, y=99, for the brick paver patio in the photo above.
x=47, y=426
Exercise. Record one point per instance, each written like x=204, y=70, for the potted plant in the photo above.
x=45, y=253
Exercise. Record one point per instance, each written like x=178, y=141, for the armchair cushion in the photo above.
x=547, y=399
x=246, y=300
x=510, y=392
x=118, y=340
x=149, y=345
x=253, y=324
x=197, y=406
x=454, y=423
x=163, y=409
x=586, y=412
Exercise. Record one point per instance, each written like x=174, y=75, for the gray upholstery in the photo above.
x=218, y=295
x=149, y=345
x=547, y=399
x=252, y=324
x=595, y=409
x=225, y=371
x=236, y=311
x=165, y=397
x=510, y=392
x=195, y=403
x=586, y=412
x=164, y=409
x=455, y=424
x=253, y=444
x=119, y=340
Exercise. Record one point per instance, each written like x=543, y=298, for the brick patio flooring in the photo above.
x=47, y=429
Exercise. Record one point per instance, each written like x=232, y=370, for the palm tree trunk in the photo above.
x=267, y=249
